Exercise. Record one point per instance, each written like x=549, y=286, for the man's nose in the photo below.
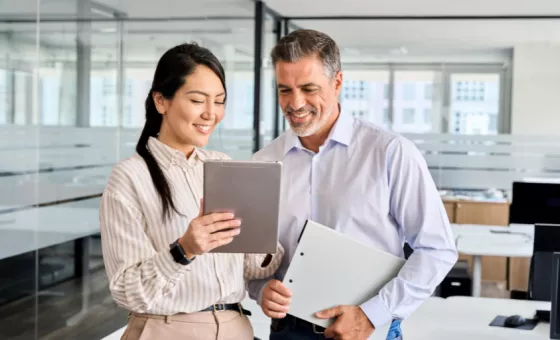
x=297, y=101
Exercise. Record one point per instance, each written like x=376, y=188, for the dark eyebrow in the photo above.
x=204, y=93
x=282, y=86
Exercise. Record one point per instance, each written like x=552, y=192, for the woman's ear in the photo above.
x=160, y=102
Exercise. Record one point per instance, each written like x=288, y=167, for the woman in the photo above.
x=155, y=239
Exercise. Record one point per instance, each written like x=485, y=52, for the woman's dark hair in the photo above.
x=171, y=73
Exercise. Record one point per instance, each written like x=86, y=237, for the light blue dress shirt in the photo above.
x=374, y=186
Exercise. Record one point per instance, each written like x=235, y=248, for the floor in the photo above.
x=102, y=316
x=494, y=290
x=52, y=318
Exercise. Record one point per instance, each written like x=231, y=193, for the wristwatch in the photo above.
x=179, y=254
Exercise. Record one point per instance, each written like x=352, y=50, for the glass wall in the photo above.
x=74, y=76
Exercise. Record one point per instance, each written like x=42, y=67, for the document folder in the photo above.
x=330, y=269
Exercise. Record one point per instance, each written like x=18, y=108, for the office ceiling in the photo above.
x=418, y=39
x=379, y=40
x=414, y=7
x=133, y=8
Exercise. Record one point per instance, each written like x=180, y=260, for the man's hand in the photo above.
x=276, y=300
x=351, y=323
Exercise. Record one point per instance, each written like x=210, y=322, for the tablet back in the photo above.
x=251, y=190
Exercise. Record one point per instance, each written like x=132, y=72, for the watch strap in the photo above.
x=179, y=254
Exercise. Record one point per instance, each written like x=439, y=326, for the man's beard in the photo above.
x=315, y=123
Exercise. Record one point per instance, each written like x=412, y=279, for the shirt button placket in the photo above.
x=314, y=189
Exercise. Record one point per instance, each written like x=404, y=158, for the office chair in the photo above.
x=545, y=243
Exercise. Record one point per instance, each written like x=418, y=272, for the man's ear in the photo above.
x=338, y=80
x=160, y=102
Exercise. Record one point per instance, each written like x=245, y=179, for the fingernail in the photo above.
x=238, y=231
x=238, y=222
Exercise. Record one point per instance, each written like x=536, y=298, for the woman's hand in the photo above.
x=207, y=232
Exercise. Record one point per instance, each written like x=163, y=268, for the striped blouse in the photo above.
x=143, y=277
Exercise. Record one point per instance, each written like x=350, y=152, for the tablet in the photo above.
x=250, y=190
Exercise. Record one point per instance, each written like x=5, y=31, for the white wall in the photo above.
x=536, y=89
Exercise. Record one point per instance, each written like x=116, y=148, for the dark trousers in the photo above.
x=291, y=328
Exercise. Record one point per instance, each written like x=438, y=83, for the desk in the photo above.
x=480, y=241
x=467, y=318
x=457, y=318
x=32, y=229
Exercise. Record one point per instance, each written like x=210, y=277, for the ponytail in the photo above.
x=151, y=129
x=172, y=70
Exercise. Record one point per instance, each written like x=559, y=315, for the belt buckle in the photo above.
x=219, y=308
x=316, y=331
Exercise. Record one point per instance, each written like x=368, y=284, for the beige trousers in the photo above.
x=218, y=325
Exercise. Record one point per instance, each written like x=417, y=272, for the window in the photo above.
x=409, y=92
x=359, y=113
x=128, y=115
x=109, y=87
x=128, y=92
x=428, y=89
x=427, y=116
x=104, y=116
x=408, y=116
x=493, y=124
x=413, y=93
x=3, y=96
x=386, y=115
x=419, y=99
x=474, y=100
x=362, y=92
x=354, y=90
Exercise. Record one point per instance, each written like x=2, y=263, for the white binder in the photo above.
x=330, y=269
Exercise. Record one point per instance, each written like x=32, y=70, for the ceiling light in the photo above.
x=399, y=51
x=351, y=51
x=108, y=30
x=102, y=12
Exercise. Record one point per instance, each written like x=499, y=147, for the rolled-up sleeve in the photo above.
x=416, y=206
x=138, y=274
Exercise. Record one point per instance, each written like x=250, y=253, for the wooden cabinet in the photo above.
x=486, y=213
x=519, y=273
x=494, y=269
x=450, y=209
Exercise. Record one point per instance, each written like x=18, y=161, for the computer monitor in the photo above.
x=546, y=242
x=555, y=294
x=535, y=203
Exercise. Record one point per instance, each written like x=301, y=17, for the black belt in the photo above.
x=226, y=306
x=278, y=324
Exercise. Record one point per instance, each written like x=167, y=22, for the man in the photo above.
x=367, y=183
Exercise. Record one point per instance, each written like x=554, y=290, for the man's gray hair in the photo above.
x=305, y=43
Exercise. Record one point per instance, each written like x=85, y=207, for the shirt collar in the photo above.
x=167, y=156
x=341, y=133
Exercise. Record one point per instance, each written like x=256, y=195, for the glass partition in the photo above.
x=73, y=80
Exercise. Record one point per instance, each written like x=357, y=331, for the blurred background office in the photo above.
x=474, y=83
